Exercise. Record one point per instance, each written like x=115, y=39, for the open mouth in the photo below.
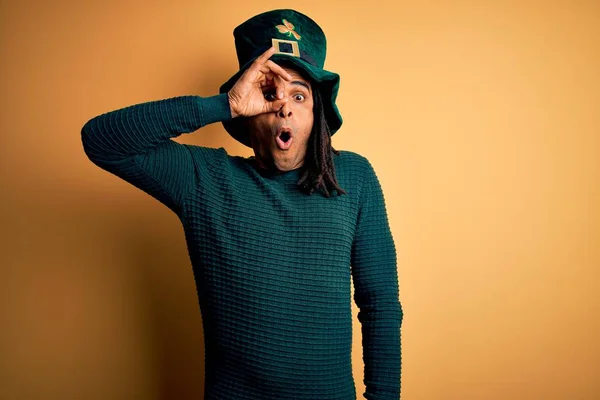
x=284, y=139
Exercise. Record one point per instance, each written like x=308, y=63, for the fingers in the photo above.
x=274, y=77
x=258, y=64
x=266, y=66
x=267, y=74
x=277, y=104
x=260, y=60
x=275, y=81
x=277, y=69
x=278, y=87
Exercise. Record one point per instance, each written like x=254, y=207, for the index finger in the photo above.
x=265, y=56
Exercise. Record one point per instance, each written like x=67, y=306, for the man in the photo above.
x=272, y=249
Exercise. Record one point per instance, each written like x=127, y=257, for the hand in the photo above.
x=246, y=97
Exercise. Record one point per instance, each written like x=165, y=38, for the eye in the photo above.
x=268, y=94
x=299, y=97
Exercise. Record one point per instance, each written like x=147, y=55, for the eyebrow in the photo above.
x=301, y=83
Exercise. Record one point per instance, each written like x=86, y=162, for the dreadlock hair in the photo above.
x=319, y=169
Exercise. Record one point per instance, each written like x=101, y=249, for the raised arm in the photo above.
x=376, y=293
x=134, y=143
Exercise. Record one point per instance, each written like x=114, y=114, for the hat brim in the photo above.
x=328, y=82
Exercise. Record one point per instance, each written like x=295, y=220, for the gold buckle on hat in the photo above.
x=287, y=47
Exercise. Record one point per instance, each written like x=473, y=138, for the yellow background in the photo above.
x=481, y=118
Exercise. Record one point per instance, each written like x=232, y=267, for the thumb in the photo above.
x=276, y=105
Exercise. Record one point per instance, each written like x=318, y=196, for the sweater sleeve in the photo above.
x=134, y=144
x=376, y=293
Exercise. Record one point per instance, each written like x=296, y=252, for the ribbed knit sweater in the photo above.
x=273, y=266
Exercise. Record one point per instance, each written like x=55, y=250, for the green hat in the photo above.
x=298, y=40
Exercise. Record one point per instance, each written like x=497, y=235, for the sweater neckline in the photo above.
x=276, y=174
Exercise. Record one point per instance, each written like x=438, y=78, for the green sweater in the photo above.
x=272, y=265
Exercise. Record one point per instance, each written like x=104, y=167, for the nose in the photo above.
x=285, y=111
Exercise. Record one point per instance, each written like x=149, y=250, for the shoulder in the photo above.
x=348, y=158
x=359, y=169
x=354, y=163
x=354, y=172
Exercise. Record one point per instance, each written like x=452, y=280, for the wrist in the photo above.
x=231, y=109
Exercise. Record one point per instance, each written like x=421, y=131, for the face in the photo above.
x=280, y=138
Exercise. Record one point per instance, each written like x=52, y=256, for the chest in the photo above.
x=272, y=218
